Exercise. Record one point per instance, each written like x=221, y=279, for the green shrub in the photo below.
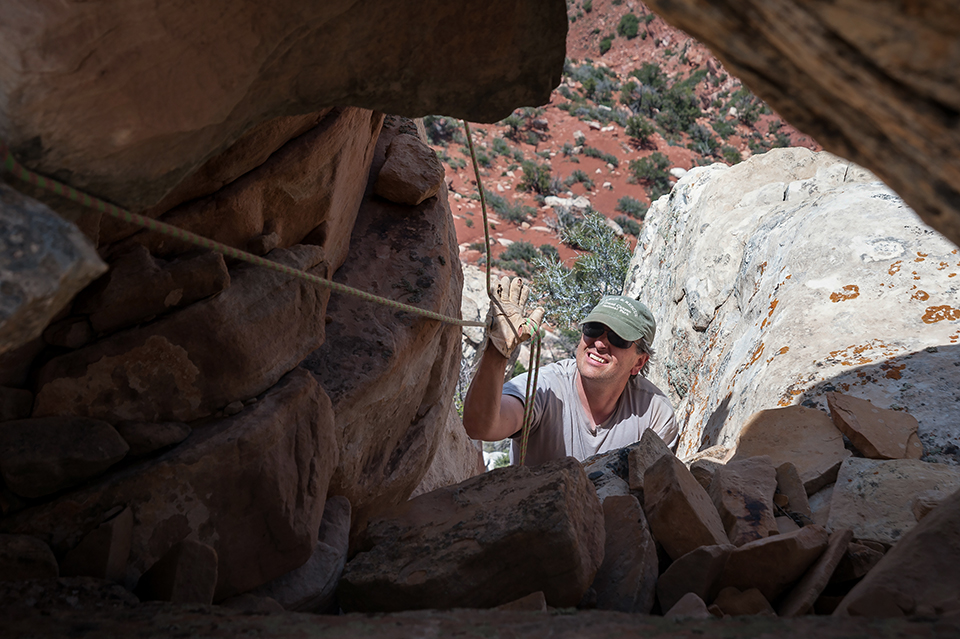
x=679, y=109
x=647, y=19
x=605, y=44
x=652, y=171
x=639, y=129
x=723, y=128
x=581, y=177
x=628, y=225
x=442, y=130
x=629, y=26
x=568, y=293
x=730, y=154
x=588, y=5
x=632, y=207
x=511, y=211
x=650, y=75
x=536, y=178
x=500, y=147
x=702, y=141
x=549, y=251
x=609, y=158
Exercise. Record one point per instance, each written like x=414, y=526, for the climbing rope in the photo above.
x=533, y=369
x=10, y=164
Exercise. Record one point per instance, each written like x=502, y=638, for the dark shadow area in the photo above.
x=711, y=432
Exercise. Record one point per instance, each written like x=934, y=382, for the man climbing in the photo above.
x=597, y=402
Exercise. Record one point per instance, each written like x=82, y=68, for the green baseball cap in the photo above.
x=625, y=316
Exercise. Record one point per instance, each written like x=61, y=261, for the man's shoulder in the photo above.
x=642, y=385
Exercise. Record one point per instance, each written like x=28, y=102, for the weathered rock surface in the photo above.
x=457, y=458
x=41, y=456
x=773, y=564
x=800, y=599
x=869, y=83
x=303, y=184
x=44, y=262
x=774, y=296
x=412, y=172
x=132, y=124
x=609, y=471
x=919, y=575
x=23, y=557
x=877, y=433
x=857, y=561
x=734, y=602
x=311, y=587
x=690, y=606
x=742, y=491
x=15, y=403
x=679, y=511
x=643, y=456
x=139, y=287
x=627, y=578
x=389, y=420
x=104, y=552
x=696, y=572
x=875, y=498
x=189, y=364
x=484, y=542
x=803, y=436
x=251, y=486
x=187, y=573
x=147, y=437
x=790, y=485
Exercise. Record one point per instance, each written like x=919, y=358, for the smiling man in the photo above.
x=598, y=402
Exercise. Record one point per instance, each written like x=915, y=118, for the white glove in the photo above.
x=507, y=327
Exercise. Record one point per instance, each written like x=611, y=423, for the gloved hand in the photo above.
x=507, y=329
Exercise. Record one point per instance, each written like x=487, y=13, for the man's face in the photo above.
x=600, y=361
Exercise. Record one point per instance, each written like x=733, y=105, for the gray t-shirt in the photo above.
x=561, y=426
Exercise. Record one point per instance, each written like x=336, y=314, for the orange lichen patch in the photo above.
x=787, y=278
x=854, y=355
x=942, y=266
x=845, y=386
x=783, y=350
x=892, y=370
x=787, y=398
x=850, y=291
x=764, y=322
x=756, y=355
x=763, y=267
x=773, y=306
x=894, y=268
x=922, y=296
x=952, y=275
x=920, y=256
x=936, y=314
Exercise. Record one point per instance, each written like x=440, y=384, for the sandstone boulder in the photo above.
x=802, y=436
x=145, y=438
x=876, y=432
x=790, y=485
x=135, y=120
x=696, y=572
x=627, y=578
x=311, y=587
x=773, y=564
x=251, y=486
x=742, y=491
x=734, y=602
x=105, y=550
x=193, y=362
x=486, y=541
x=789, y=320
x=608, y=472
x=457, y=458
x=801, y=598
x=44, y=262
x=679, y=511
x=857, y=561
x=535, y=601
x=43, y=455
x=875, y=498
x=23, y=557
x=690, y=606
x=919, y=575
x=412, y=172
x=643, y=456
x=187, y=573
x=391, y=374
x=138, y=287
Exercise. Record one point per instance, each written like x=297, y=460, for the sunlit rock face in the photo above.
x=876, y=83
x=791, y=275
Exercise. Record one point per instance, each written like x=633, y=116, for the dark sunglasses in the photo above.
x=593, y=330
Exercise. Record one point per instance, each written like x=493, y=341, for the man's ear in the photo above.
x=642, y=359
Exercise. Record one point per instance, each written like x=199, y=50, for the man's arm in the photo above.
x=488, y=414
